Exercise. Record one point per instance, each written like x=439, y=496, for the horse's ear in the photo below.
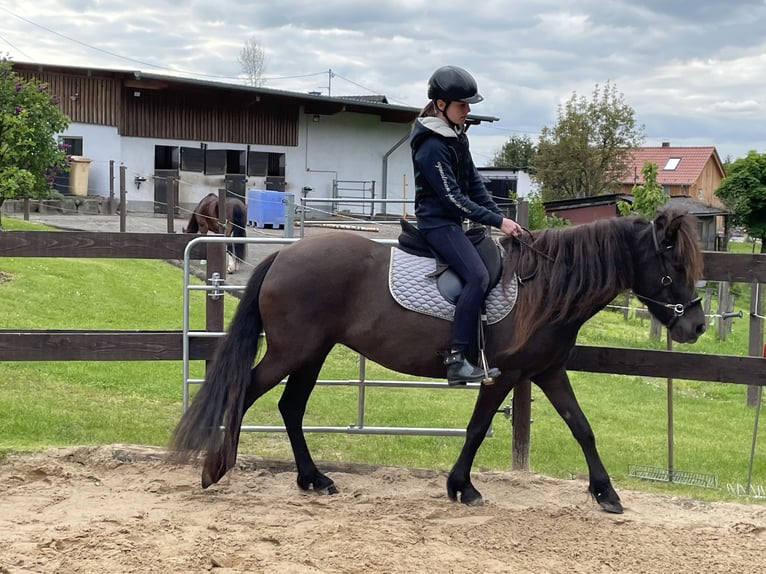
x=667, y=225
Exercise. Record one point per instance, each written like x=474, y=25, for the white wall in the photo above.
x=344, y=146
x=351, y=147
x=524, y=185
x=100, y=144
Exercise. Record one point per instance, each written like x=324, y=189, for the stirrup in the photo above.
x=460, y=371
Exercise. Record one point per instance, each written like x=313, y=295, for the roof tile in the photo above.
x=692, y=162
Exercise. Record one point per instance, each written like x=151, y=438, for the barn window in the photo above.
x=257, y=163
x=192, y=159
x=262, y=164
x=235, y=161
x=73, y=145
x=215, y=161
x=277, y=164
x=165, y=157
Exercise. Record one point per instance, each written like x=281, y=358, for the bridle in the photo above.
x=665, y=281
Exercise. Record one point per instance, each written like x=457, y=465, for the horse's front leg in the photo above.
x=556, y=386
x=487, y=403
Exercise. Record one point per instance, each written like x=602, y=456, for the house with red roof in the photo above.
x=693, y=172
x=688, y=175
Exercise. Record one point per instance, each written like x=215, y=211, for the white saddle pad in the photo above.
x=413, y=290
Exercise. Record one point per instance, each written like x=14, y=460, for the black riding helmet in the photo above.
x=453, y=84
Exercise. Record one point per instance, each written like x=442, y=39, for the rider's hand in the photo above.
x=510, y=227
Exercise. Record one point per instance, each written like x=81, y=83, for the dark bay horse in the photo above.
x=204, y=218
x=333, y=289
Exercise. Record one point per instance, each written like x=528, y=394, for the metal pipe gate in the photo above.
x=216, y=288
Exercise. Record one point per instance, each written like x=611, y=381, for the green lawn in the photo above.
x=70, y=403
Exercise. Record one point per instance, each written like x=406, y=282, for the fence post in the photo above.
x=216, y=267
x=755, y=342
x=110, y=201
x=170, y=191
x=522, y=393
x=723, y=305
x=123, y=199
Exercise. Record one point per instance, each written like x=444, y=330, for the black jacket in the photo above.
x=448, y=188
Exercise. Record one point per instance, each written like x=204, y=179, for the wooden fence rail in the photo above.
x=106, y=345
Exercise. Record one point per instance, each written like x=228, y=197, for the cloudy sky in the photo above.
x=694, y=71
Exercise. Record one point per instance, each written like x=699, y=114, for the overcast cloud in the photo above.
x=693, y=71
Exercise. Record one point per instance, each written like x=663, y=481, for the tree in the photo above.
x=253, y=62
x=743, y=192
x=538, y=218
x=587, y=152
x=648, y=197
x=517, y=153
x=30, y=118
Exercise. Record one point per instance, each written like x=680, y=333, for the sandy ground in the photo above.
x=121, y=509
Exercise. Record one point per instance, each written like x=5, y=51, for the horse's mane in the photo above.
x=569, y=273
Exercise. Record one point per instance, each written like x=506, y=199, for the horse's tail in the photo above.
x=239, y=223
x=220, y=400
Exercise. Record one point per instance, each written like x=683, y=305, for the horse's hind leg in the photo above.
x=264, y=377
x=558, y=389
x=292, y=406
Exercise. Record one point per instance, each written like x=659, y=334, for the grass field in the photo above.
x=70, y=403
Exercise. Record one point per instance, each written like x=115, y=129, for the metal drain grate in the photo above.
x=752, y=491
x=677, y=476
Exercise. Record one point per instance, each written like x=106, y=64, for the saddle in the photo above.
x=448, y=282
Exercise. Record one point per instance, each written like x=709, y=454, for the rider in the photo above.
x=448, y=190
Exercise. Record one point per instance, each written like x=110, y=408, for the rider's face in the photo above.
x=456, y=112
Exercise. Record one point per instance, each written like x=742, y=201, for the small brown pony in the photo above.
x=333, y=289
x=204, y=218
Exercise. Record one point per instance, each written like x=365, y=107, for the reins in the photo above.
x=535, y=250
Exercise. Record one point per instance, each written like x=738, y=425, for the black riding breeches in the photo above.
x=452, y=245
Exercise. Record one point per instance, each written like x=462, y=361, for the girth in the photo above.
x=448, y=282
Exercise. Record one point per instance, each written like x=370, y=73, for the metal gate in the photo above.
x=359, y=198
x=216, y=287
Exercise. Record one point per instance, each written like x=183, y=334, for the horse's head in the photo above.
x=668, y=267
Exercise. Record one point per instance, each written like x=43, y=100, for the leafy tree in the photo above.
x=253, y=62
x=743, y=192
x=29, y=121
x=588, y=151
x=648, y=197
x=517, y=153
x=538, y=218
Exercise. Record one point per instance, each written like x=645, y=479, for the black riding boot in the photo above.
x=460, y=371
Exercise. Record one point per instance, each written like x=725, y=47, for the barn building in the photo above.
x=190, y=137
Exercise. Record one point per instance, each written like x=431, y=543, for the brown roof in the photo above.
x=686, y=172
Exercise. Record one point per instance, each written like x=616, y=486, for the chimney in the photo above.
x=665, y=144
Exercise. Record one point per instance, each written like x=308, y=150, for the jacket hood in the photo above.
x=430, y=125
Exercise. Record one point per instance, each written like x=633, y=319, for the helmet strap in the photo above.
x=443, y=112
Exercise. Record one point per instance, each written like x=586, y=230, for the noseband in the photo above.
x=665, y=281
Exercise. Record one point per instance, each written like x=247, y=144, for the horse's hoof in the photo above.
x=320, y=483
x=468, y=494
x=472, y=498
x=332, y=489
x=611, y=506
x=213, y=469
x=206, y=479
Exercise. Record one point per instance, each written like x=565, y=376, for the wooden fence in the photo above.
x=110, y=345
